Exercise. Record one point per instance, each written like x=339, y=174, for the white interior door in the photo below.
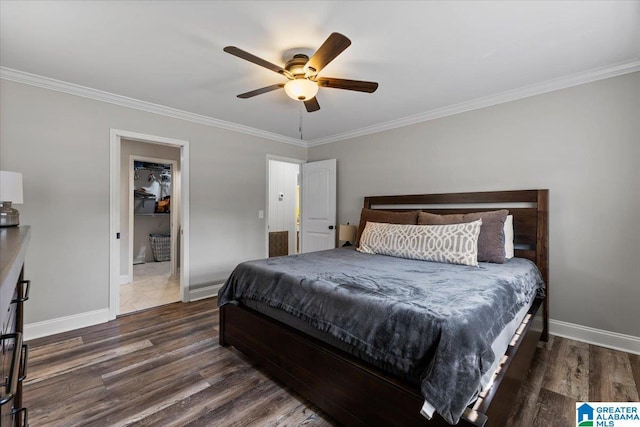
x=318, y=208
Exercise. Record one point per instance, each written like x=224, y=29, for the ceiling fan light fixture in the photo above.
x=302, y=72
x=301, y=89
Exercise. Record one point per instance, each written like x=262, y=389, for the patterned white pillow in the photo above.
x=451, y=243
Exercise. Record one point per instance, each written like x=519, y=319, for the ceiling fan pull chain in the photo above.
x=300, y=125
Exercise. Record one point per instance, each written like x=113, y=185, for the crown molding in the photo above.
x=511, y=95
x=508, y=96
x=99, y=95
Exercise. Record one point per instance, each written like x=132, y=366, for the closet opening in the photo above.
x=151, y=237
x=123, y=144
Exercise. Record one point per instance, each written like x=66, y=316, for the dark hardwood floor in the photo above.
x=164, y=367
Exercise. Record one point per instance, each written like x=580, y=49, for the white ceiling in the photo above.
x=430, y=58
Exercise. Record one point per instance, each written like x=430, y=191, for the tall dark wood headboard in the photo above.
x=528, y=207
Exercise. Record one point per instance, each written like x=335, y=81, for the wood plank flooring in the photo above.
x=164, y=367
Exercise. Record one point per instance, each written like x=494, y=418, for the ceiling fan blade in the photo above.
x=312, y=105
x=258, y=61
x=260, y=91
x=332, y=47
x=358, y=85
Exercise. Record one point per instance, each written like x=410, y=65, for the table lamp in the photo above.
x=10, y=193
x=347, y=233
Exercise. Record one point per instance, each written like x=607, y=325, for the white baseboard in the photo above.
x=90, y=318
x=613, y=340
x=124, y=279
x=64, y=324
x=204, y=292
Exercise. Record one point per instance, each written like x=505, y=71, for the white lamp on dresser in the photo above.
x=10, y=194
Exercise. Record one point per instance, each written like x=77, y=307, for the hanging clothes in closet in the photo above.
x=165, y=184
x=154, y=187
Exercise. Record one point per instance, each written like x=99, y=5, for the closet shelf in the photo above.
x=153, y=214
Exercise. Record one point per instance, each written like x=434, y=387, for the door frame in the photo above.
x=115, y=142
x=175, y=191
x=298, y=162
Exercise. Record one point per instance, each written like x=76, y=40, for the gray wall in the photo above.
x=582, y=143
x=60, y=143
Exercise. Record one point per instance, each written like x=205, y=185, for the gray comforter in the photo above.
x=428, y=322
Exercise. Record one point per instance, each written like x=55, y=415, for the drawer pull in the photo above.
x=25, y=293
x=24, y=358
x=25, y=416
x=11, y=386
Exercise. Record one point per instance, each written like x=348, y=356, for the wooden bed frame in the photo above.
x=356, y=393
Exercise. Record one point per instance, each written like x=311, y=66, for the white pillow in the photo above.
x=451, y=243
x=508, y=237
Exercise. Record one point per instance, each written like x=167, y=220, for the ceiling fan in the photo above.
x=302, y=73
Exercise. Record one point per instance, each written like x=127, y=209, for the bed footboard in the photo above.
x=354, y=392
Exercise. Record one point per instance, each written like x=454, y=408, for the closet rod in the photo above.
x=138, y=165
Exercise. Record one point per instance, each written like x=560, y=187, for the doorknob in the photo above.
x=331, y=227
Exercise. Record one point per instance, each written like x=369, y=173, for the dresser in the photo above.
x=14, y=291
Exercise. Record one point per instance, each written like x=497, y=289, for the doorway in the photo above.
x=283, y=207
x=157, y=156
x=153, y=224
x=306, y=222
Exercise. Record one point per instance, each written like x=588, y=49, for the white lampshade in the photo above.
x=11, y=187
x=301, y=89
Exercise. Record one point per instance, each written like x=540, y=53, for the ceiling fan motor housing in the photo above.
x=296, y=66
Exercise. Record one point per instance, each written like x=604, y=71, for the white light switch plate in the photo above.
x=261, y=214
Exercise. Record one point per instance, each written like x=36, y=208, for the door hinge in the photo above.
x=117, y=235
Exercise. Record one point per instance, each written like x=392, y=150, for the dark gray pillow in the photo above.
x=387, y=217
x=491, y=238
